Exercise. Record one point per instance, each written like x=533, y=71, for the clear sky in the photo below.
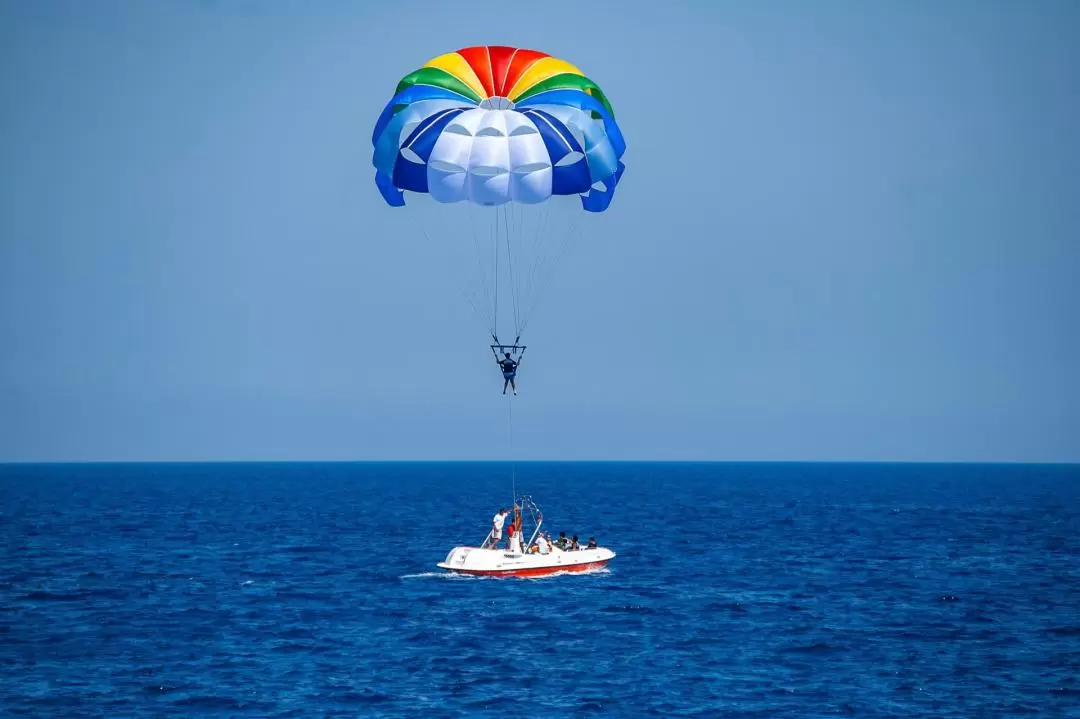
x=847, y=231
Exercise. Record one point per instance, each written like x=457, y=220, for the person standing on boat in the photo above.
x=513, y=538
x=497, y=526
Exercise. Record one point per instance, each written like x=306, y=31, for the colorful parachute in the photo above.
x=491, y=125
x=497, y=151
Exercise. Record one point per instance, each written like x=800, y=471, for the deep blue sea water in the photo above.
x=739, y=590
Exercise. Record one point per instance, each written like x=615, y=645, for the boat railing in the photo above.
x=536, y=532
x=538, y=517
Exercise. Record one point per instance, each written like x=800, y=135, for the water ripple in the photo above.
x=739, y=591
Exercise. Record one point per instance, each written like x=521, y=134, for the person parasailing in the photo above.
x=509, y=371
x=507, y=363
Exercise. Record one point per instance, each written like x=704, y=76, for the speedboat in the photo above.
x=537, y=560
x=501, y=563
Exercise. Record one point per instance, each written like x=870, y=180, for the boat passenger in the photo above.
x=562, y=542
x=545, y=546
x=514, y=539
x=574, y=546
x=592, y=543
x=497, y=527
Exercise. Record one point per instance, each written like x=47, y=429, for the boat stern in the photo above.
x=456, y=559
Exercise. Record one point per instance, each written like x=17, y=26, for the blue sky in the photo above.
x=847, y=231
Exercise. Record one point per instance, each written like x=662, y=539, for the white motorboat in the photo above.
x=536, y=558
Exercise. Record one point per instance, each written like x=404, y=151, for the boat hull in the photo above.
x=499, y=563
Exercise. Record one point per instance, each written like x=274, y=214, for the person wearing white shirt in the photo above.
x=497, y=527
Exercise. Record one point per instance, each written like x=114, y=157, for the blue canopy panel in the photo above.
x=410, y=170
x=389, y=142
x=598, y=200
x=408, y=96
x=569, y=168
x=582, y=101
x=393, y=196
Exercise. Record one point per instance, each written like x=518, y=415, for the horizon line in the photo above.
x=17, y=463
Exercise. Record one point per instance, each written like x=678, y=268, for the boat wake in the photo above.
x=437, y=575
x=472, y=577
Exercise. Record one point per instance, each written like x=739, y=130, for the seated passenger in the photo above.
x=592, y=543
x=562, y=542
x=574, y=544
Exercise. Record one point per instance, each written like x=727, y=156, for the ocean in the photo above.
x=738, y=590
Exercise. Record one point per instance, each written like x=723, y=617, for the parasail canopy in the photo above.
x=490, y=125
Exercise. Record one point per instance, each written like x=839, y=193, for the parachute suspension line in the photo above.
x=569, y=239
x=495, y=334
x=512, y=225
x=545, y=280
x=510, y=447
x=539, y=239
x=478, y=256
x=513, y=285
x=470, y=297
